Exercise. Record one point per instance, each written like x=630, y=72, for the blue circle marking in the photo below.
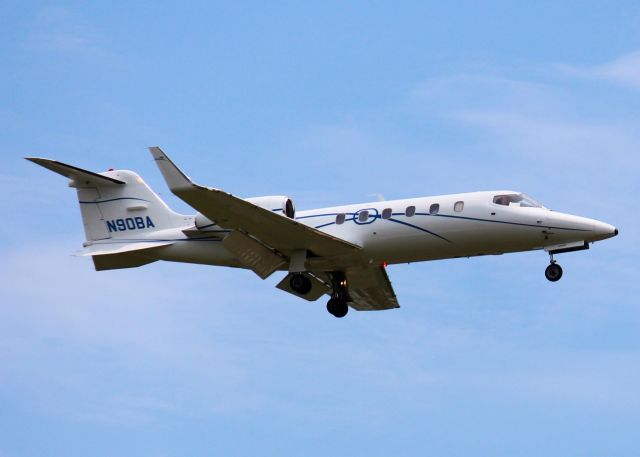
x=373, y=215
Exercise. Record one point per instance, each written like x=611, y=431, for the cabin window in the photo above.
x=410, y=211
x=458, y=207
x=386, y=213
x=340, y=218
x=363, y=216
x=433, y=209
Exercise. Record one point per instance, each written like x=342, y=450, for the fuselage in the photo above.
x=458, y=225
x=429, y=228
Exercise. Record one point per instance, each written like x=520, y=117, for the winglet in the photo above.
x=174, y=177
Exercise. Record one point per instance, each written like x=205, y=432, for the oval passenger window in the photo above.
x=458, y=207
x=363, y=216
x=410, y=211
x=386, y=213
x=340, y=218
x=433, y=209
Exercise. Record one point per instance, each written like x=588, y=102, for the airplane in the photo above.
x=340, y=251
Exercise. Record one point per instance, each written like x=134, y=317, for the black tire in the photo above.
x=300, y=284
x=337, y=307
x=553, y=272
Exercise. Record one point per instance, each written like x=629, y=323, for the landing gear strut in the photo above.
x=554, y=271
x=337, y=304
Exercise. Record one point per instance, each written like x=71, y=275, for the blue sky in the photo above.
x=328, y=103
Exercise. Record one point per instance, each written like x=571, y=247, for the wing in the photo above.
x=274, y=230
x=370, y=289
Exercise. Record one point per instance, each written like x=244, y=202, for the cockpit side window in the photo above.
x=502, y=200
x=521, y=200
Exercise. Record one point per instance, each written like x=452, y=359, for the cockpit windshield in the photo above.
x=521, y=200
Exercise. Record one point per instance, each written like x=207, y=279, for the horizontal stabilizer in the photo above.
x=80, y=176
x=113, y=247
x=119, y=261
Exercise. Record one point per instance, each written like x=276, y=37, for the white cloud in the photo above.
x=560, y=139
x=127, y=348
x=624, y=70
x=62, y=324
x=536, y=135
x=460, y=91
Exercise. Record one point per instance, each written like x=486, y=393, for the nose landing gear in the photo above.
x=554, y=271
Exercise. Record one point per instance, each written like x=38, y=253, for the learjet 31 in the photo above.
x=340, y=251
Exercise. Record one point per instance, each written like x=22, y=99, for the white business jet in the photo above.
x=340, y=251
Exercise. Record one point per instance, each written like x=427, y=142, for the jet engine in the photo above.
x=276, y=203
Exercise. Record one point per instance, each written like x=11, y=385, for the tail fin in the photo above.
x=115, y=204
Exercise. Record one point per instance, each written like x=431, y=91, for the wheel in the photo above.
x=300, y=284
x=553, y=272
x=337, y=307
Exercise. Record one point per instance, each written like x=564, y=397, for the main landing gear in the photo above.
x=554, y=271
x=338, y=307
x=337, y=304
x=300, y=284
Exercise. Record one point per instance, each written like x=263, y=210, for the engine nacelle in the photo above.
x=276, y=203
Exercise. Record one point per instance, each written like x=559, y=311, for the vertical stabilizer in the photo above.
x=116, y=204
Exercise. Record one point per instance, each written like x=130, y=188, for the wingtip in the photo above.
x=157, y=153
x=39, y=160
x=174, y=177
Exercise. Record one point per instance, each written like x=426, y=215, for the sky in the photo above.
x=330, y=103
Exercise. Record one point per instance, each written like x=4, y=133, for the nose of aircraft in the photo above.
x=602, y=230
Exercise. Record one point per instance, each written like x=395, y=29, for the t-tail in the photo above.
x=120, y=214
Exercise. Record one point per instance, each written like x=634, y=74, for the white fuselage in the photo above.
x=477, y=226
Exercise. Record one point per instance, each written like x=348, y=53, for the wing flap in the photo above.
x=370, y=289
x=252, y=254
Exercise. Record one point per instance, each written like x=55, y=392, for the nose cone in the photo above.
x=602, y=230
